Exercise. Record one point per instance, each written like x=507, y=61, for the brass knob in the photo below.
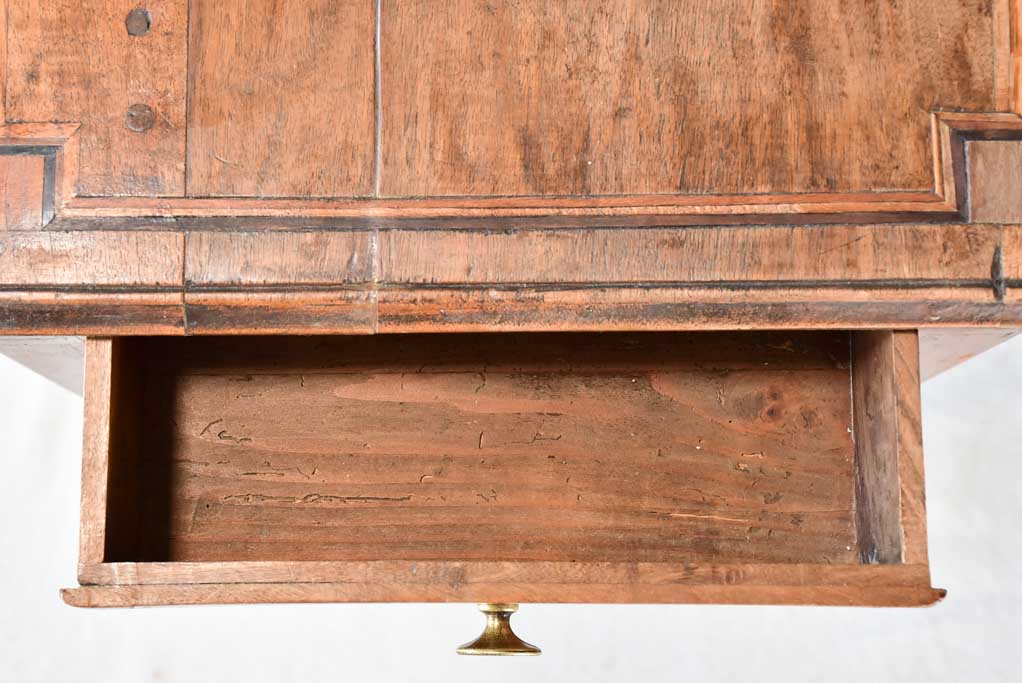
x=498, y=638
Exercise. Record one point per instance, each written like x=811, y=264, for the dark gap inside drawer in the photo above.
x=654, y=447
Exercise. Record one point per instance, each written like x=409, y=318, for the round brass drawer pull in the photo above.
x=498, y=638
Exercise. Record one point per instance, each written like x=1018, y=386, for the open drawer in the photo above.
x=749, y=467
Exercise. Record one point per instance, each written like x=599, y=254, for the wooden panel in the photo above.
x=3, y=62
x=537, y=582
x=58, y=145
x=995, y=181
x=912, y=491
x=281, y=98
x=691, y=255
x=75, y=62
x=21, y=192
x=86, y=260
x=877, y=491
x=96, y=439
x=666, y=448
x=529, y=97
x=422, y=573
x=582, y=308
x=295, y=258
x=1012, y=255
x=93, y=313
x=326, y=312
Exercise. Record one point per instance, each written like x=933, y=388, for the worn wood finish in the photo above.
x=651, y=96
x=391, y=279
x=56, y=146
x=91, y=313
x=751, y=452
x=613, y=448
x=995, y=181
x=3, y=62
x=75, y=62
x=706, y=308
x=1014, y=13
x=912, y=491
x=21, y=192
x=317, y=312
x=877, y=491
x=878, y=586
x=253, y=260
x=96, y=449
x=421, y=574
x=779, y=255
x=947, y=200
x=53, y=260
x=281, y=98
x=1012, y=257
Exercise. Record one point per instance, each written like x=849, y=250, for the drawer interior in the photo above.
x=666, y=449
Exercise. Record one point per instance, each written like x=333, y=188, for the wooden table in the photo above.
x=695, y=194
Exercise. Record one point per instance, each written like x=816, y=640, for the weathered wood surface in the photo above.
x=1012, y=257
x=253, y=260
x=877, y=489
x=97, y=439
x=339, y=311
x=609, y=448
x=946, y=200
x=70, y=61
x=839, y=585
x=651, y=96
x=395, y=434
x=21, y=192
x=97, y=313
x=995, y=175
x=512, y=98
x=416, y=280
x=909, y=423
x=281, y=98
x=777, y=255
x=83, y=260
x=412, y=573
x=38, y=171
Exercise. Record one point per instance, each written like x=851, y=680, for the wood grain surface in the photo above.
x=21, y=192
x=1012, y=254
x=3, y=62
x=387, y=279
x=141, y=260
x=995, y=177
x=527, y=97
x=776, y=254
x=281, y=98
x=607, y=448
x=877, y=486
x=70, y=61
x=912, y=489
x=96, y=452
x=844, y=585
x=90, y=313
x=251, y=260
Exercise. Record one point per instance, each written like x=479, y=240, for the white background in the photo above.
x=973, y=435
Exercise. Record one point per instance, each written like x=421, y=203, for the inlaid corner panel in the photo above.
x=653, y=100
